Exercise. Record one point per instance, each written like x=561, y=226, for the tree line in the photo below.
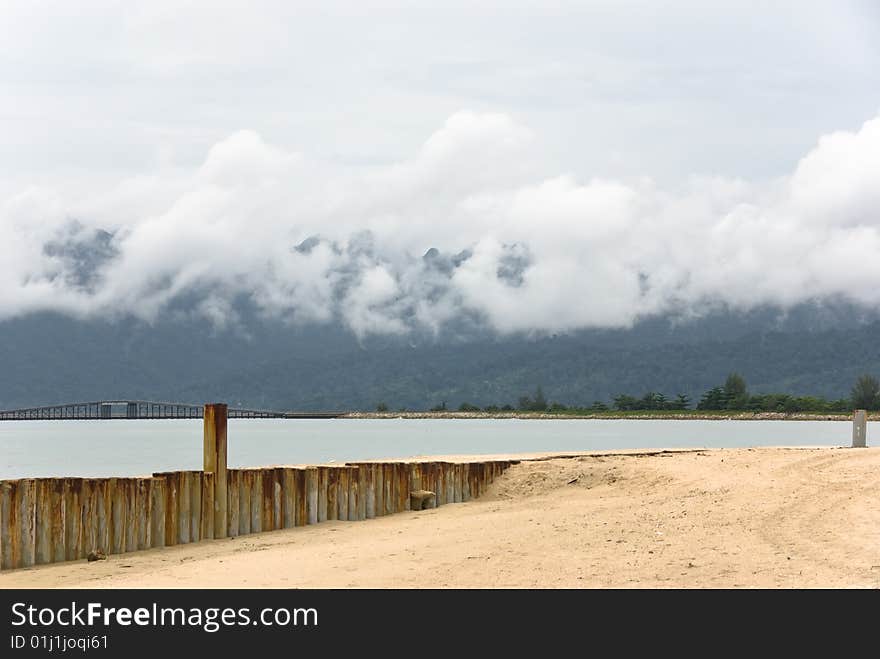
x=732, y=395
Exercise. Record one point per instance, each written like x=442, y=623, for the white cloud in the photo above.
x=519, y=248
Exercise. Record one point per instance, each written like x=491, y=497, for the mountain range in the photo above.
x=48, y=358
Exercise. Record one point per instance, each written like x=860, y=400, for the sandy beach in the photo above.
x=743, y=518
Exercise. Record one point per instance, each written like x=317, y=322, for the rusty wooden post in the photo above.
x=323, y=484
x=244, y=502
x=73, y=535
x=473, y=480
x=369, y=490
x=7, y=525
x=101, y=497
x=390, y=495
x=439, y=484
x=379, y=489
x=312, y=489
x=196, y=485
x=288, y=502
x=449, y=481
x=362, y=493
x=456, y=483
x=267, y=503
x=354, y=494
x=215, y=454
x=117, y=516
x=158, y=511
x=401, y=481
x=143, y=512
x=233, y=502
x=256, y=483
x=415, y=477
x=342, y=495
x=332, y=493
x=278, y=497
x=431, y=482
x=43, y=521
x=302, y=496
x=206, y=520
x=172, y=493
x=184, y=507
x=26, y=507
x=860, y=429
x=89, y=523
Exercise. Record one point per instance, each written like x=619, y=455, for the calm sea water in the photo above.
x=133, y=448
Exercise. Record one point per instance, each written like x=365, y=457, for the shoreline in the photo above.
x=615, y=416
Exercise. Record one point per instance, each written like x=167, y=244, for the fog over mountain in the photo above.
x=465, y=228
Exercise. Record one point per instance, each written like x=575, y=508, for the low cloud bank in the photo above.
x=470, y=226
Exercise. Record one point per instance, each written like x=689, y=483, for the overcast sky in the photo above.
x=637, y=156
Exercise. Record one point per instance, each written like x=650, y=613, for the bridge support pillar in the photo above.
x=215, y=461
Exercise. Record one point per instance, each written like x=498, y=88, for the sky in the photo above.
x=397, y=166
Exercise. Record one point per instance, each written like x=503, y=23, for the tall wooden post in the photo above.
x=215, y=461
x=860, y=429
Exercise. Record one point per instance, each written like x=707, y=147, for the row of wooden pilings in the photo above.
x=49, y=520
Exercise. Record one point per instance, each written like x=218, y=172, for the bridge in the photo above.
x=144, y=409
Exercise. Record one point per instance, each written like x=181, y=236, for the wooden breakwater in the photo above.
x=49, y=520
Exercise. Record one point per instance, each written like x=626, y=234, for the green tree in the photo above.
x=682, y=402
x=714, y=399
x=536, y=404
x=735, y=392
x=624, y=402
x=865, y=394
x=540, y=403
x=382, y=407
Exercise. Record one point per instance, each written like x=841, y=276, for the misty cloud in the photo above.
x=468, y=226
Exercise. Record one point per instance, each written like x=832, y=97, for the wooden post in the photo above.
x=8, y=528
x=246, y=480
x=332, y=493
x=43, y=521
x=215, y=461
x=158, y=510
x=73, y=535
x=288, y=502
x=256, y=482
x=206, y=521
x=143, y=513
x=379, y=490
x=369, y=493
x=117, y=516
x=312, y=489
x=342, y=494
x=233, y=502
x=26, y=507
x=195, y=511
x=184, y=506
x=131, y=513
x=302, y=497
x=323, y=484
x=278, y=496
x=267, y=503
x=860, y=429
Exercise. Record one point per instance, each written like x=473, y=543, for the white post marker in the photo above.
x=860, y=429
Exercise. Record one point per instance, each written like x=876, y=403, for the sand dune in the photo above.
x=711, y=518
